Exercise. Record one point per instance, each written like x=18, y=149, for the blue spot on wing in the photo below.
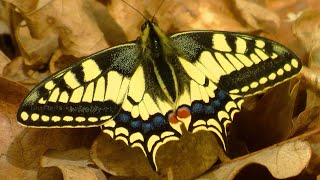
x=197, y=108
x=135, y=124
x=123, y=117
x=159, y=121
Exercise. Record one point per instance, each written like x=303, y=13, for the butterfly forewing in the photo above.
x=85, y=94
x=237, y=63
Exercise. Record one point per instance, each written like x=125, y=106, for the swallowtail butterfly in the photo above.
x=142, y=91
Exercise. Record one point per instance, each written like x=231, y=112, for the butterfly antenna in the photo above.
x=157, y=10
x=134, y=9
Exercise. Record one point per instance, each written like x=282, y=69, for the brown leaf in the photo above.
x=256, y=16
x=307, y=29
x=308, y=120
x=270, y=121
x=4, y=60
x=74, y=164
x=282, y=160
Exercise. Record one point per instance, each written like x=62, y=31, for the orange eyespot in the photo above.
x=173, y=119
x=183, y=112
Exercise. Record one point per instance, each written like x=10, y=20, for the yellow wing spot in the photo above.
x=34, y=116
x=45, y=118
x=263, y=80
x=123, y=90
x=54, y=95
x=92, y=119
x=88, y=94
x=207, y=60
x=235, y=62
x=42, y=101
x=152, y=107
x=24, y=116
x=111, y=123
x=194, y=91
x=244, y=59
x=109, y=132
x=280, y=72
x=135, y=112
x=261, y=54
x=287, y=67
x=137, y=85
x=245, y=89
x=77, y=95
x=113, y=86
x=192, y=71
x=241, y=45
x=272, y=76
x=103, y=118
x=68, y=118
x=64, y=97
x=99, y=90
x=260, y=43
x=239, y=103
x=204, y=95
x=80, y=119
x=139, y=145
x=222, y=115
x=220, y=43
x=213, y=122
x=152, y=140
x=143, y=111
x=294, y=63
x=71, y=80
x=50, y=85
x=90, y=70
x=136, y=137
x=230, y=105
x=274, y=55
x=228, y=68
x=234, y=91
x=125, y=140
x=199, y=123
x=254, y=85
x=234, y=112
x=166, y=134
x=199, y=128
x=121, y=130
x=255, y=58
x=56, y=118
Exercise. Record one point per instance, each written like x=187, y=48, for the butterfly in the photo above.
x=143, y=92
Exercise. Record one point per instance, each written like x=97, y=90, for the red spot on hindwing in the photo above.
x=183, y=112
x=173, y=118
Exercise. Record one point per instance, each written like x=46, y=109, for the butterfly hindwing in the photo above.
x=238, y=63
x=85, y=94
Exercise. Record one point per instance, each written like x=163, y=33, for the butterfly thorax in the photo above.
x=157, y=48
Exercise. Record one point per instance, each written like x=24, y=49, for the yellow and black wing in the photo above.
x=85, y=94
x=224, y=67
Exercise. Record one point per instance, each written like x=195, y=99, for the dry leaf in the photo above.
x=74, y=164
x=4, y=60
x=283, y=161
x=256, y=16
x=272, y=113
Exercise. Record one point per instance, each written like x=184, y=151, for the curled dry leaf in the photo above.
x=187, y=158
x=283, y=161
x=73, y=164
x=308, y=120
x=272, y=113
x=11, y=95
x=4, y=60
x=307, y=29
x=256, y=16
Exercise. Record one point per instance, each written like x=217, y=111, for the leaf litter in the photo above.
x=271, y=130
